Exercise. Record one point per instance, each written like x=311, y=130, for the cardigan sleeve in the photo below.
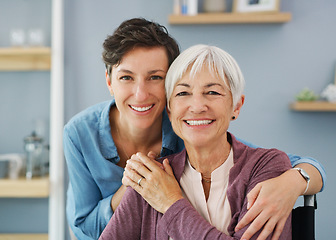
x=127, y=220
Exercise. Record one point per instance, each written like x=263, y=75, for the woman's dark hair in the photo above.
x=137, y=32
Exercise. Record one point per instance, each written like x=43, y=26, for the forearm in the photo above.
x=115, y=201
x=316, y=182
x=182, y=221
x=297, y=160
x=120, y=226
x=93, y=223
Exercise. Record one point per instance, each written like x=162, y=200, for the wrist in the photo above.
x=171, y=203
x=303, y=176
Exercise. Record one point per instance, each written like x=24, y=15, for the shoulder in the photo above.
x=254, y=161
x=88, y=117
x=245, y=153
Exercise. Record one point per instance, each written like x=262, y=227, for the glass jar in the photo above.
x=33, y=146
x=214, y=5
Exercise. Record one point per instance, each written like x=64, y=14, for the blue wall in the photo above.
x=278, y=60
x=24, y=101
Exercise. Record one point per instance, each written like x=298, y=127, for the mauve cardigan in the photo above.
x=136, y=219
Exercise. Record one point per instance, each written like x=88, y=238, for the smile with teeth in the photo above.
x=198, y=122
x=141, y=109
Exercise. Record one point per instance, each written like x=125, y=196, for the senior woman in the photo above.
x=99, y=140
x=201, y=192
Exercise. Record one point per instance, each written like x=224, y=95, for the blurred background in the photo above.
x=277, y=60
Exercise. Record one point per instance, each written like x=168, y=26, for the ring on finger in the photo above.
x=139, y=181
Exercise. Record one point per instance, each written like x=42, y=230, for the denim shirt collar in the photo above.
x=170, y=141
x=106, y=143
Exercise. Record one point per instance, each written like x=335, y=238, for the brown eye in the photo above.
x=182, y=94
x=213, y=93
x=125, y=78
x=156, y=78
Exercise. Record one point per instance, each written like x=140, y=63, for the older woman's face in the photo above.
x=201, y=109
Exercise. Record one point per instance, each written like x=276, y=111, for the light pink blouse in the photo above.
x=217, y=209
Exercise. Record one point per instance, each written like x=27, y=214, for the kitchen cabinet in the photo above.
x=26, y=60
x=230, y=18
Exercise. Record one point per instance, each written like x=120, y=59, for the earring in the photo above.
x=233, y=117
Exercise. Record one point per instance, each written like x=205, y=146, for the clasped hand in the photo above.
x=158, y=185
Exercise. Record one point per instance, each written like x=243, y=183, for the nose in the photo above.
x=198, y=103
x=141, y=91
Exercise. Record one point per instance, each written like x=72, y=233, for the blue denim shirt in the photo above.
x=91, y=157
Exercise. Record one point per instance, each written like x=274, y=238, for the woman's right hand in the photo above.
x=158, y=185
x=115, y=201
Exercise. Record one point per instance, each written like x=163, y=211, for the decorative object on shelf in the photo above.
x=306, y=95
x=36, y=37
x=213, y=6
x=192, y=8
x=185, y=7
x=329, y=93
x=177, y=7
x=247, y=6
x=33, y=145
x=4, y=166
x=17, y=37
x=11, y=165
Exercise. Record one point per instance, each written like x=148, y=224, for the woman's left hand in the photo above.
x=157, y=186
x=269, y=205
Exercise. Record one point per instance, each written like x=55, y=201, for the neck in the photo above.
x=136, y=135
x=130, y=140
x=206, y=160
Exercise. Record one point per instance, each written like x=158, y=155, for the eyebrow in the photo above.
x=124, y=71
x=182, y=85
x=206, y=86
x=149, y=72
x=213, y=84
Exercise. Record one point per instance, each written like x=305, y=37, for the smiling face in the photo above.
x=201, y=109
x=137, y=85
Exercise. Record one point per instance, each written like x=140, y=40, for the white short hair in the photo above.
x=218, y=61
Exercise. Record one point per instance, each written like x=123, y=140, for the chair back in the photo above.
x=303, y=219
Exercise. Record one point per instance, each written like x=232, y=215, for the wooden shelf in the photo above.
x=8, y=236
x=22, y=188
x=231, y=18
x=25, y=59
x=315, y=106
